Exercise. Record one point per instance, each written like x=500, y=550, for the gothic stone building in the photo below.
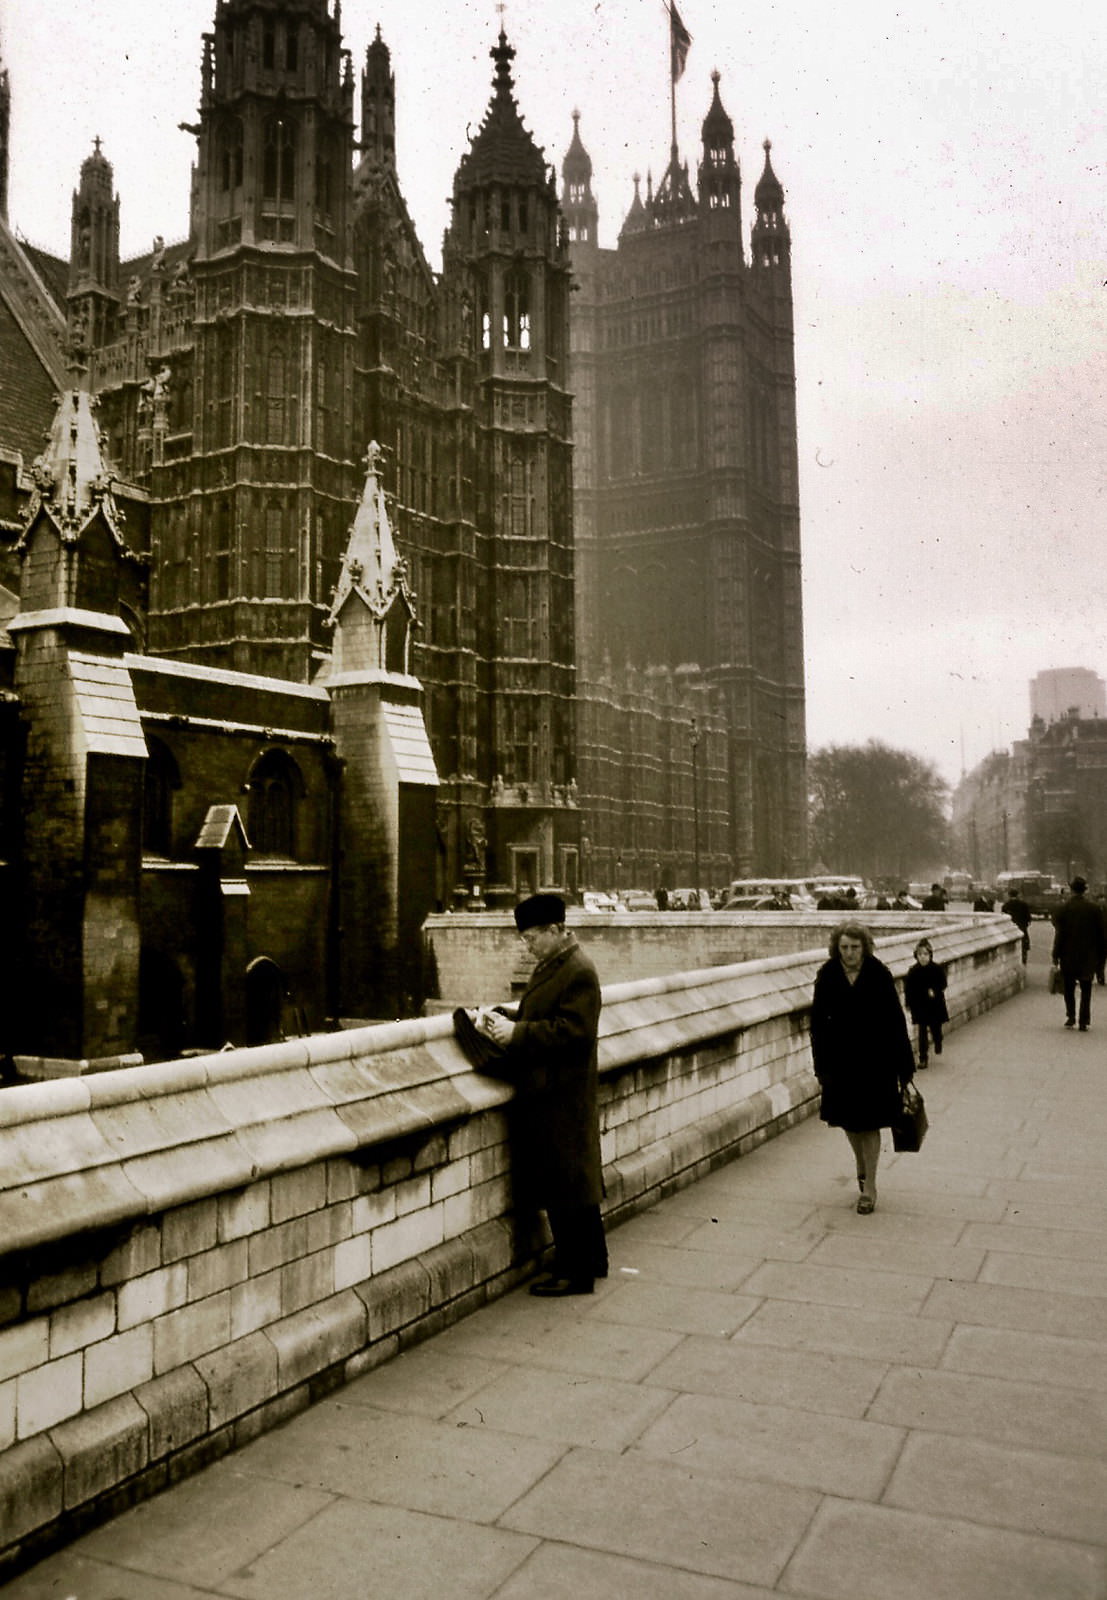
x=612, y=703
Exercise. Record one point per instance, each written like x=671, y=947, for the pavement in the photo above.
x=770, y=1395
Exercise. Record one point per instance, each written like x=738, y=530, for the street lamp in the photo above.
x=694, y=738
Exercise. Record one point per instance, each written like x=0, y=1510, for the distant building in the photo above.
x=1067, y=691
x=687, y=515
x=1043, y=804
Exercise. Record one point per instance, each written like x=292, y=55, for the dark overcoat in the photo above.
x=860, y=1045
x=552, y=1061
x=1078, y=937
x=924, y=990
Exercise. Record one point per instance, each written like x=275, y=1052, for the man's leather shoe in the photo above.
x=555, y=1288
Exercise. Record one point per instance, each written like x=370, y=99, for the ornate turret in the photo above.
x=770, y=240
x=577, y=200
x=378, y=105
x=637, y=219
x=504, y=150
x=73, y=546
x=719, y=178
x=94, y=253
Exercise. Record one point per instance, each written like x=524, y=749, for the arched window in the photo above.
x=517, y=311
x=161, y=778
x=276, y=788
x=230, y=157
x=278, y=164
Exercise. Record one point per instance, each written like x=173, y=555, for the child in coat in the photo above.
x=924, y=989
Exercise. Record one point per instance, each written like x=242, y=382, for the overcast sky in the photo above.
x=945, y=172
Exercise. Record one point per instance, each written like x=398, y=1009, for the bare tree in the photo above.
x=877, y=811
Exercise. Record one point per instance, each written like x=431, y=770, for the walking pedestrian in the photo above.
x=1017, y=909
x=550, y=1055
x=1078, y=949
x=860, y=1047
x=924, y=990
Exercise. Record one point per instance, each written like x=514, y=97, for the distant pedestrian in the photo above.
x=550, y=1054
x=860, y=1048
x=903, y=902
x=983, y=902
x=1078, y=949
x=924, y=990
x=1017, y=909
x=662, y=896
x=936, y=899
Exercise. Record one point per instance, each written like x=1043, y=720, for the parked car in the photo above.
x=638, y=900
x=597, y=900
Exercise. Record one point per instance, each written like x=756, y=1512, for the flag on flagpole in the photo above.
x=680, y=41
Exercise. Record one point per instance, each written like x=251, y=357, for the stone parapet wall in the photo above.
x=195, y=1250
x=474, y=958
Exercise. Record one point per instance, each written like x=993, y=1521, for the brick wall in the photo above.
x=195, y=1250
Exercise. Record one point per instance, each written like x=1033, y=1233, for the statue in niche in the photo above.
x=476, y=843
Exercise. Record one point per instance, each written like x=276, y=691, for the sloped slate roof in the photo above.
x=106, y=703
x=410, y=745
x=28, y=393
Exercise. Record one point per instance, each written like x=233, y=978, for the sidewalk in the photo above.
x=770, y=1395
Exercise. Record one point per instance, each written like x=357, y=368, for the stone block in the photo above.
x=450, y=1270
x=151, y=1296
x=432, y=1154
x=139, y=1253
x=25, y=1346
x=187, y=1230
x=48, y=1394
x=318, y=1337
x=7, y=1412
x=353, y=1261
x=413, y=1195
x=370, y=1210
x=342, y=1181
x=395, y=1299
x=101, y=1449
x=276, y=1246
x=407, y=1237
x=307, y=1281
x=217, y=1269
x=240, y=1376
x=117, y=1364
x=57, y=1289
x=176, y=1407
x=244, y=1212
x=31, y=1489
x=11, y=1305
x=192, y=1331
x=459, y=1214
x=255, y=1303
x=293, y=1194
x=395, y=1171
x=329, y=1226
x=85, y=1322
x=451, y=1179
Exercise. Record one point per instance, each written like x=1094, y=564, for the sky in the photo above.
x=945, y=175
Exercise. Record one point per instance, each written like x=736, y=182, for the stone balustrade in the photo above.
x=196, y=1249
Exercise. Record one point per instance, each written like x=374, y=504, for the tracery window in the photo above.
x=517, y=310
x=275, y=790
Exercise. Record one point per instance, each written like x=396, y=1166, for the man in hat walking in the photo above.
x=1078, y=949
x=550, y=1055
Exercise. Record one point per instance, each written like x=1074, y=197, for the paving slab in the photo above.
x=853, y=1549
x=770, y=1395
x=1068, y=1421
x=658, y=1510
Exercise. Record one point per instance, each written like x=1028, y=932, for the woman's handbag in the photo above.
x=909, y=1128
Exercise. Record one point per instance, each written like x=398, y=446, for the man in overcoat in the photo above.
x=1078, y=949
x=550, y=1055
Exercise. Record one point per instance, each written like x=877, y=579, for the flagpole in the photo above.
x=672, y=91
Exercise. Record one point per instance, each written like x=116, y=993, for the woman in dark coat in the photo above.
x=924, y=990
x=861, y=1048
x=550, y=1056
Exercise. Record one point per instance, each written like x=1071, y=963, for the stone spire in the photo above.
x=73, y=485
x=378, y=105
x=373, y=607
x=577, y=199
